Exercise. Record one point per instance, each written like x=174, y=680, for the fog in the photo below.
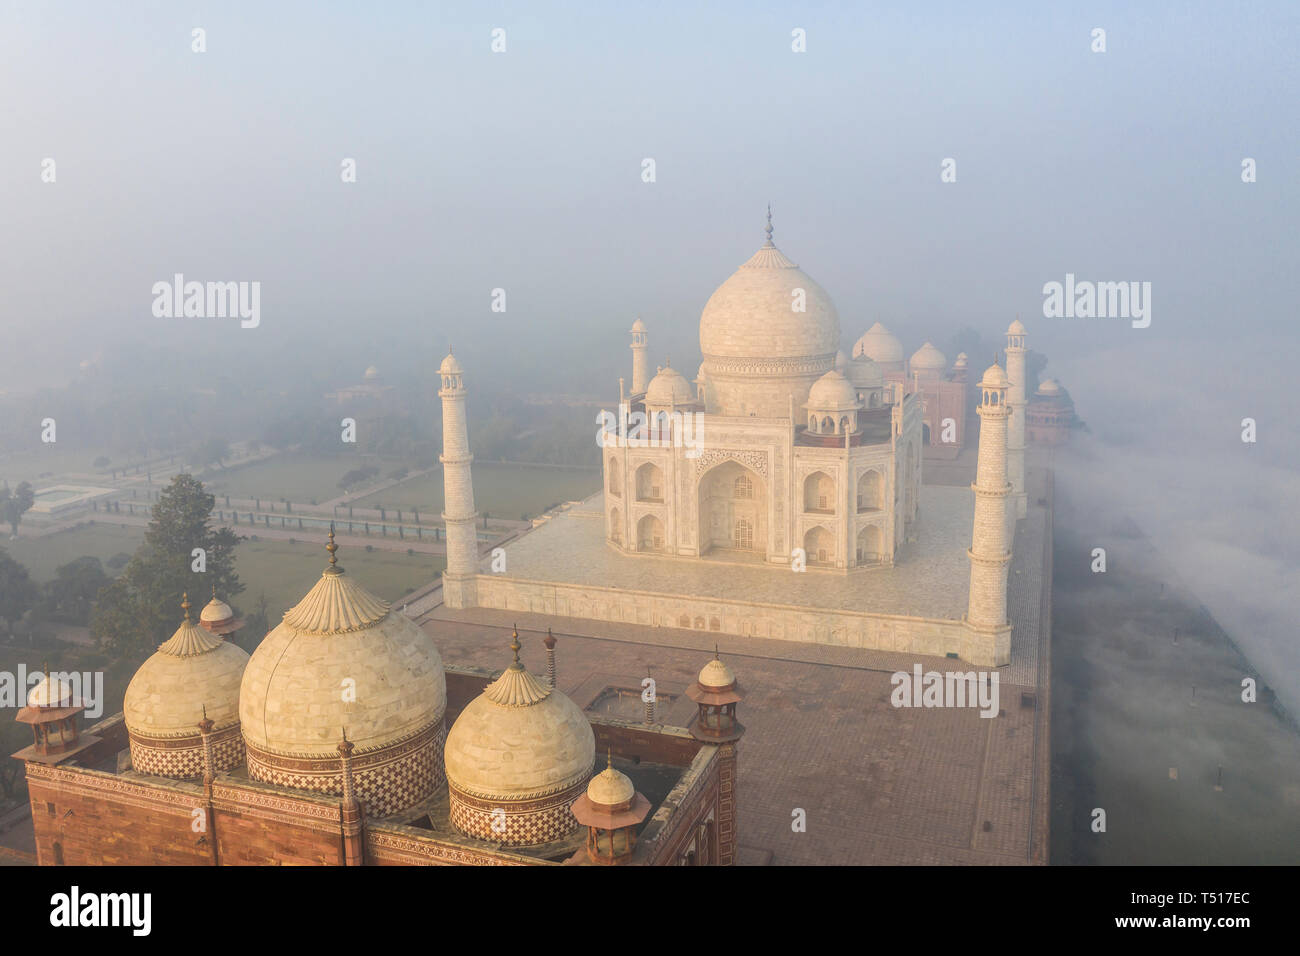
x=522, y=171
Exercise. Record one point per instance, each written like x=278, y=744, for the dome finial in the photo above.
x=769, y=223
x=609, y=757
x=332, y=547
x=185, y=605
x=516, y=646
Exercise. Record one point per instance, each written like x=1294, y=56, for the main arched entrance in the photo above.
x=733, y=510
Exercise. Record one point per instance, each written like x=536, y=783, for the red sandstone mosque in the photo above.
x=344, y=741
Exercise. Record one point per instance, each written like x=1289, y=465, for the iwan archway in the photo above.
x=733, y=504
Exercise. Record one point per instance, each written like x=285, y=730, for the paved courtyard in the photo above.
x=879, y=784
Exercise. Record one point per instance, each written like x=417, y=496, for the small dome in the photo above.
x=669, y=387
x=928, y=359
x=638, y=325
x=716, y=675
x=832, y=392
x=450, y=366
x=609, y=788
x=864, y=373
x=994, y=377
x=1049, y=386
x=961, y=360
x=372, y=373
x=191, y=673
x=880, y=345
x=215, y=612
x=49, y=693
x=519, y=740
x=1016, y=328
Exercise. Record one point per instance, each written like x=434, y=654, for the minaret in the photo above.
x=986, y=614
x=459, y=582
x=1016, y=425
x=640, y=358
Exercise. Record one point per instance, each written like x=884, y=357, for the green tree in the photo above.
x=14, y=504
x=17, y=591
x=141, y=609
x=76, y=585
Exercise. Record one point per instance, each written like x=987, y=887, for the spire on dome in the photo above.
x=331, y=548
x=516, y=687
x=185, y=605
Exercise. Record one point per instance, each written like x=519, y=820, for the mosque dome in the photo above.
x=862, y=372
x=194, y=674
x=669, y=387
x=524, y=747
x=880, y=345
x=758, y=350
x=450, y=366
x=961, y=360
x=928, y=359
x=832, y=392
x=342, y=659
x=1050, y=387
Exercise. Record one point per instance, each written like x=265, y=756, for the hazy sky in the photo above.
x=522, y=170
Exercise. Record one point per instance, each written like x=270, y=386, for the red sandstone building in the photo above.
x=1050, y=414
x=942, y=389
x=353, y=745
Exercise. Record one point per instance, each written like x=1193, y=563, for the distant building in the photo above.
x=1050, y=415
x=371, y=390
x=942, y=389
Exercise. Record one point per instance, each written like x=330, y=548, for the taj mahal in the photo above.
x=779, y=494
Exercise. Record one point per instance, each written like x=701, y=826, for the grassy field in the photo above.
x=296, y=477
x=42, y=459
x=505, y=491
x=285, y=572
x=282, y=571
x=42, y=556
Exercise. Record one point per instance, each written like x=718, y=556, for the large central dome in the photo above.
x=767, y=333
